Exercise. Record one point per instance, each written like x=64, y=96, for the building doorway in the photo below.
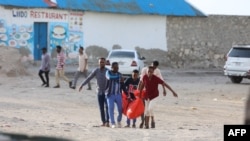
x=40, y=38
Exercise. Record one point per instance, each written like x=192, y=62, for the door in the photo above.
x=40, y=39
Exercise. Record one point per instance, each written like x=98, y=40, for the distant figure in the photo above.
x=82, y=68
x=45, y=67
x=113, y=92
x=131, y=85
x=59, y=72
x=151, y=82
x=100, y=74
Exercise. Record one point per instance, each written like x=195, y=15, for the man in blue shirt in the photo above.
x=113, y=92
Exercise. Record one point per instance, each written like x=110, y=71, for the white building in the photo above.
x=31, y=26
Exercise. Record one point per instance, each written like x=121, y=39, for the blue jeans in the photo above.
x=112, y=99
x=103, y=107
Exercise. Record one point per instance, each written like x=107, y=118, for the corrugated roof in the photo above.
x=158, y=7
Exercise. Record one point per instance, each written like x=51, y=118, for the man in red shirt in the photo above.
x=151, y=82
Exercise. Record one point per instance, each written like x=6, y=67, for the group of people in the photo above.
x=110, y=86
x=60, y=68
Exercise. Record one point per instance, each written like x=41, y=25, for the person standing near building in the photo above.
x=82, y=68
x=131, y=84
x=100, y=74
x=45, y=67
x=151, y=82
x=59, y=72
x=113, y=92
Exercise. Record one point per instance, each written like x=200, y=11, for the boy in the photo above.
x=131, y=84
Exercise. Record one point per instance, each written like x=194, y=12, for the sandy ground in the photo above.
x=207, y=101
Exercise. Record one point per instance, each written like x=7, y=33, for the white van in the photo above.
x=237, y=65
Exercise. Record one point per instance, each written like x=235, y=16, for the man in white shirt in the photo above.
x=157, y=71
x=82, y=69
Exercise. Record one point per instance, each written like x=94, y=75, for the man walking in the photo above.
x=82, y=68
x=114, y=88
x=45, y=67
x=157, y=73
x=99, y=73
x=60, y=67
x=151, y=82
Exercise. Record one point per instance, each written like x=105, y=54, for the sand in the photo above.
x=207, y=101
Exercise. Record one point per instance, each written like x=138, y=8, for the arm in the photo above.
x=140, y=84
x=164, y=90
x=123, y=87
x=85, y=61
x=85, y=64
x=47, y=61
x=140, y=87
x=126, y=84
x=174, y=93
x=62, y=59
x=86, y=81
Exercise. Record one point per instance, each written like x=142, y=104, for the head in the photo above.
x=135, y=74
x=81, y=49
x=102, y=62
x=44, y=50
x=150, y=71
x=58, y=49
x=115, y=67
x=155, y=64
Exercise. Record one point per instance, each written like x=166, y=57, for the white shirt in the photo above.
x=82, y=60
x=157, y=72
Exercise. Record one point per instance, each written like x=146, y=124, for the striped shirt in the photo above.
x=114, y=83
x=60, y=60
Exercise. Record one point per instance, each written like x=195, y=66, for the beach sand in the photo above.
x=204, y=105
x=206, y=102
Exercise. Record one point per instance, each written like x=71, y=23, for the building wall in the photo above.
x=87, y=29
x=127, y=31
x=177, y=42
x=203, y=42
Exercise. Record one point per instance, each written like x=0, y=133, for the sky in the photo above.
x=222, y=7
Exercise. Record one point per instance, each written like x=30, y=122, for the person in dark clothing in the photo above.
x=45, y=67
x=131, y=84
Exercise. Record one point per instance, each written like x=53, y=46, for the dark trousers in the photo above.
x=103, y=107
x=142, y=115
x=46, y=77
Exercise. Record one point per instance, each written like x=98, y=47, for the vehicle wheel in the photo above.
x=236, y=79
